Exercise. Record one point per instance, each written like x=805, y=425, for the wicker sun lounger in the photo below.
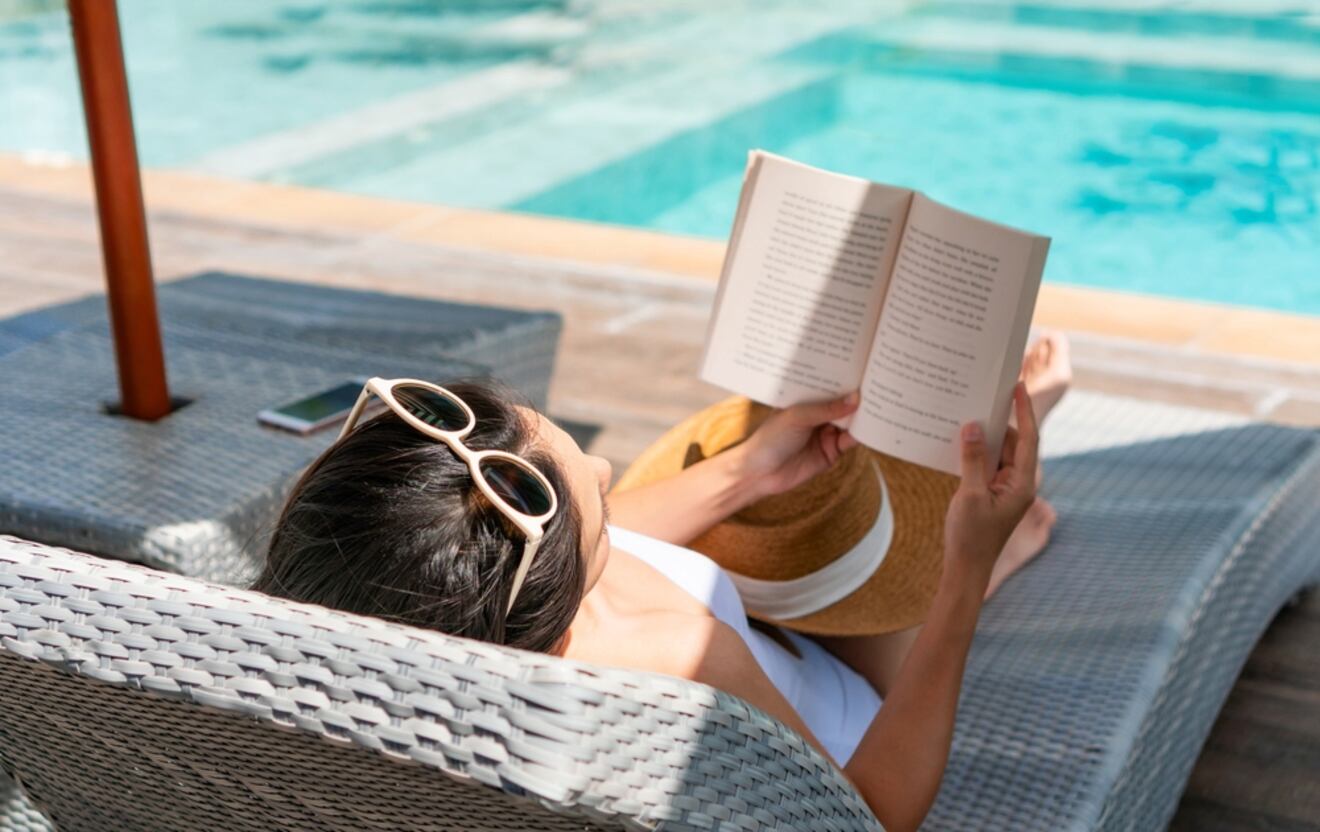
x=135, y=699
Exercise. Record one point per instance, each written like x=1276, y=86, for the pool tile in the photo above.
x=46, y=176
x=687, y=255
x=1265, y=334
x=1130, y=316
x=172, y=190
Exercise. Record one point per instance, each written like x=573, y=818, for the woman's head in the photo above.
x=388, y=522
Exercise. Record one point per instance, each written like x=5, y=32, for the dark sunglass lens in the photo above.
x=516, y=486
x=435, y=409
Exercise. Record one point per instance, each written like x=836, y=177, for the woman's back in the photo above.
x=833, y=700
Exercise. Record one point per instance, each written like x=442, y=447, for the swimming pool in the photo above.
x=1173, y=152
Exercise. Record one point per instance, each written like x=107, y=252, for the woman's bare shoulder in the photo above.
x=695, y=647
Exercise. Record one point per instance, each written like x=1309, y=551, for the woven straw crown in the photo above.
x=793, y=534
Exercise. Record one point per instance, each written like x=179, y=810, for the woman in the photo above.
x=390, y=521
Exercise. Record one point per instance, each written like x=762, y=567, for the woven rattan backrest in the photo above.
x=135, y=699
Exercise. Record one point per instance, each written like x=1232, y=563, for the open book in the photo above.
x=833, y=283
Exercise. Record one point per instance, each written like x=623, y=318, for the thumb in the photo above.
x=812, y=414
x=973, y=456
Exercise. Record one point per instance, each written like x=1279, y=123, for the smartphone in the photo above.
x=320, y=410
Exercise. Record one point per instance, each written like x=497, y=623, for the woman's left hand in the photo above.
x=794, y=445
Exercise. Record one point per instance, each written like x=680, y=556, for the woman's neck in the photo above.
x=598, y=605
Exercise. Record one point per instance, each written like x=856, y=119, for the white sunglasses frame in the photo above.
x=532, y=526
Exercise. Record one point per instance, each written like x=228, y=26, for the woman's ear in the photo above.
x=604, y=470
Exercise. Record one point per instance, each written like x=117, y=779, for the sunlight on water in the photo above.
x=1166, y=151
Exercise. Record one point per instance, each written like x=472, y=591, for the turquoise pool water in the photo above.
x=208, y=75
x=1143, y=195
x=1170, y=152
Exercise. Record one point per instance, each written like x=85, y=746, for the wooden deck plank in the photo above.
x=1198, y=814
x=1260, y=768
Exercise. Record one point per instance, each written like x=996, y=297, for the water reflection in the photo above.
x=1243, y=177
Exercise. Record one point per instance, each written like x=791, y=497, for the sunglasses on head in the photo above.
x=512, y=484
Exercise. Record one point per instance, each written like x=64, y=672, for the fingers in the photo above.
x=1010, y=447
x=811, y=414
x=828, y=442
x=1027, y=447
x=846, y=441
x=973, y=456
x=834, y=442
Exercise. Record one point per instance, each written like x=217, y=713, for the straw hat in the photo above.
x=855, y=551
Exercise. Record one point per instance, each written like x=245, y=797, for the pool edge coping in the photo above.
x=1197, y=326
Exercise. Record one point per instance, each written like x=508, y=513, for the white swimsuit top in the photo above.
x=833, y=700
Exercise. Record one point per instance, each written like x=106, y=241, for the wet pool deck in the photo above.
x=635, y=306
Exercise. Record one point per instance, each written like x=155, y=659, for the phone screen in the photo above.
x=322, y=405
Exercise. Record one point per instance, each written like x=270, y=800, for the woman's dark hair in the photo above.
x=387, y=522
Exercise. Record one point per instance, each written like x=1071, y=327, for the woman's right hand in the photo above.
x=988, y=505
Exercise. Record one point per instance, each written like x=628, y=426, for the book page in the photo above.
x=948, y=347
x=803, y=282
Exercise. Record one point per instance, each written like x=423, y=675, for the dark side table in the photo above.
x=198, y=491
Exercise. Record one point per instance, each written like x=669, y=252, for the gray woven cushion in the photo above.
x=135, y=699
x=1098, y=671
x=195, y=492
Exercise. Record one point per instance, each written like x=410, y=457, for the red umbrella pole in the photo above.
x=131, y=291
